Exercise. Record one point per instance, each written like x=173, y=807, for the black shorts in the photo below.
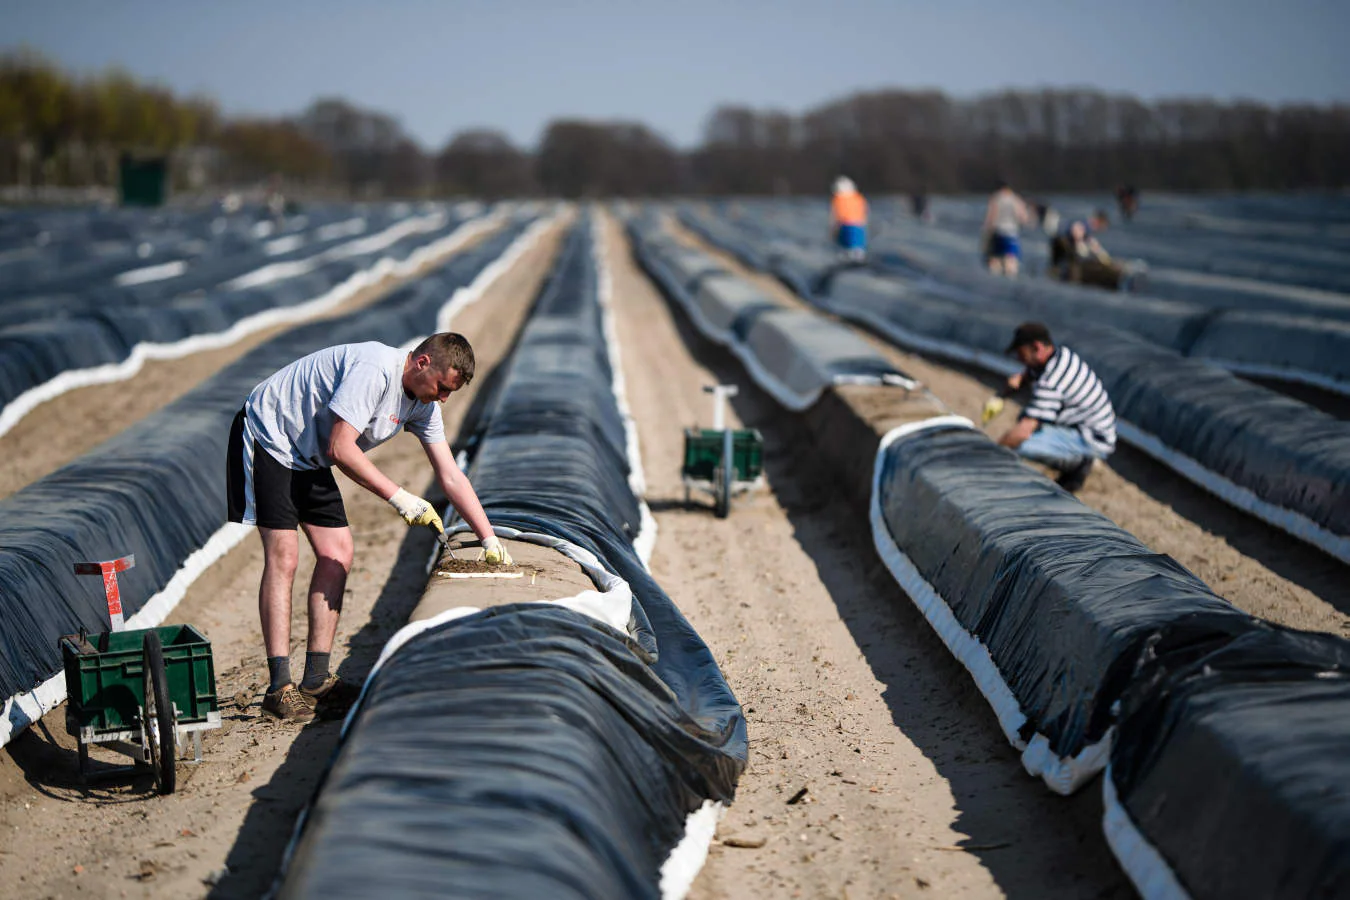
x=282, y=497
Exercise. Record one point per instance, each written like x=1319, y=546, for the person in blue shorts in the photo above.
x=848, y=219
x=1003, y=221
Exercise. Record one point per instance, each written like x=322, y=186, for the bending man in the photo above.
x=327, y=409
x=1069, y=422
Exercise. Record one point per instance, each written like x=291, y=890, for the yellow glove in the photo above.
x=992, y=407
x=494, y=553
x=415, y=510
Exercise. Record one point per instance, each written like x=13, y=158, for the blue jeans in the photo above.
x=1057, y=447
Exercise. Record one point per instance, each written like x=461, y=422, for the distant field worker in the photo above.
x=1003, y=221
x=323, y=410
x=1069, y=422
x=848, y=219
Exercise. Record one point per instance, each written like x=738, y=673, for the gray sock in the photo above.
x=316, y=670
x=279, y=669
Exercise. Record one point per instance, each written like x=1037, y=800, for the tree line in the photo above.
x=58, y=129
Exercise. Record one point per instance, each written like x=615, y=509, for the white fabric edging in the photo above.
x=1061, y=775
x=148, y=274
x=645, y=540
x=1294, y=523
x=22, y=710
x=686, y=860
x=23, y=404
x=1152, y=877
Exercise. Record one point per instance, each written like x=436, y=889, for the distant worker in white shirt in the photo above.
x=327, y=409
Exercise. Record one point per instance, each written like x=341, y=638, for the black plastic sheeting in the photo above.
x=223, y=258
x=529, y=751
x=34, y=352
x=1233, y=761
x=158, y=489
x=1062, y=598
x=1278, y=345
x=1285, y=452
x=1307, y=341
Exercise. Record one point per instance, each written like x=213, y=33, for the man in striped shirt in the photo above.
x=1069, y=423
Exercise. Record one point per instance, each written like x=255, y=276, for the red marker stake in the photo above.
x=109, y=569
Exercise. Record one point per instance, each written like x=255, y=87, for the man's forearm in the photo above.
x=464, y=499
x=357, y=466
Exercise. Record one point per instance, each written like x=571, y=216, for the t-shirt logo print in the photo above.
x=393, y=418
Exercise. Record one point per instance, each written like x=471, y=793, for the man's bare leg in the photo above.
x=281, y=555
x=333, y=552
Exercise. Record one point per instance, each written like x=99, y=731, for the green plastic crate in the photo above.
x=703, y=453
x=105, y=677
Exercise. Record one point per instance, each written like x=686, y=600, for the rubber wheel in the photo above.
x=725, y=474
x=159, y=720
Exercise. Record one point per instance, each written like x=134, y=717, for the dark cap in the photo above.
x=1029, y=333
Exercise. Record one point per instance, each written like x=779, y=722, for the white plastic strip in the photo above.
x=151, y=273
x=1296, y=524
x=70, y=380
x=645, y=541
x=686, y=860
x=1153, y=878
x=371, y=244
x=345, y=228
x=1061, y=775
x=284, y=244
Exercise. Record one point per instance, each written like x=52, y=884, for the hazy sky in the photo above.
x=444, y=66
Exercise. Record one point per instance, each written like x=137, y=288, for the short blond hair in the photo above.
x=448, y=350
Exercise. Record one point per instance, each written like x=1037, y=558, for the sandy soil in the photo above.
x=225, y=829
x=1254, y=566
x=65, y=428
x=876, y=769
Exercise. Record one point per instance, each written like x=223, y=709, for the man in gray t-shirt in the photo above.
x=326, y=410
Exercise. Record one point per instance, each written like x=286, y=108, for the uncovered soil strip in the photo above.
x=910, y=789
x=229, y=821
x=71, y=425
x=1255, y=567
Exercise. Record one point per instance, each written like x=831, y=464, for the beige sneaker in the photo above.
x=332, y=699
x=288, y=705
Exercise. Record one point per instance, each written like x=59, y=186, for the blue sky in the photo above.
x=443, y=66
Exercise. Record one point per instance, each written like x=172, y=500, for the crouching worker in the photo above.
x=327, y=409
x=1069, y=423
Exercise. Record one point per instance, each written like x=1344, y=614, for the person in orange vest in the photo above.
x=848, y=219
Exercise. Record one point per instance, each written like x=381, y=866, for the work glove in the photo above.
x=415, y=510
x=494, y=553
x=992, y=407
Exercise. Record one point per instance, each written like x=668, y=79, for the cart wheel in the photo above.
x=158, y=715
x=723, y=478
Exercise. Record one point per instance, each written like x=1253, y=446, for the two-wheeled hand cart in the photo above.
x=142, y=692
x=722, y=461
